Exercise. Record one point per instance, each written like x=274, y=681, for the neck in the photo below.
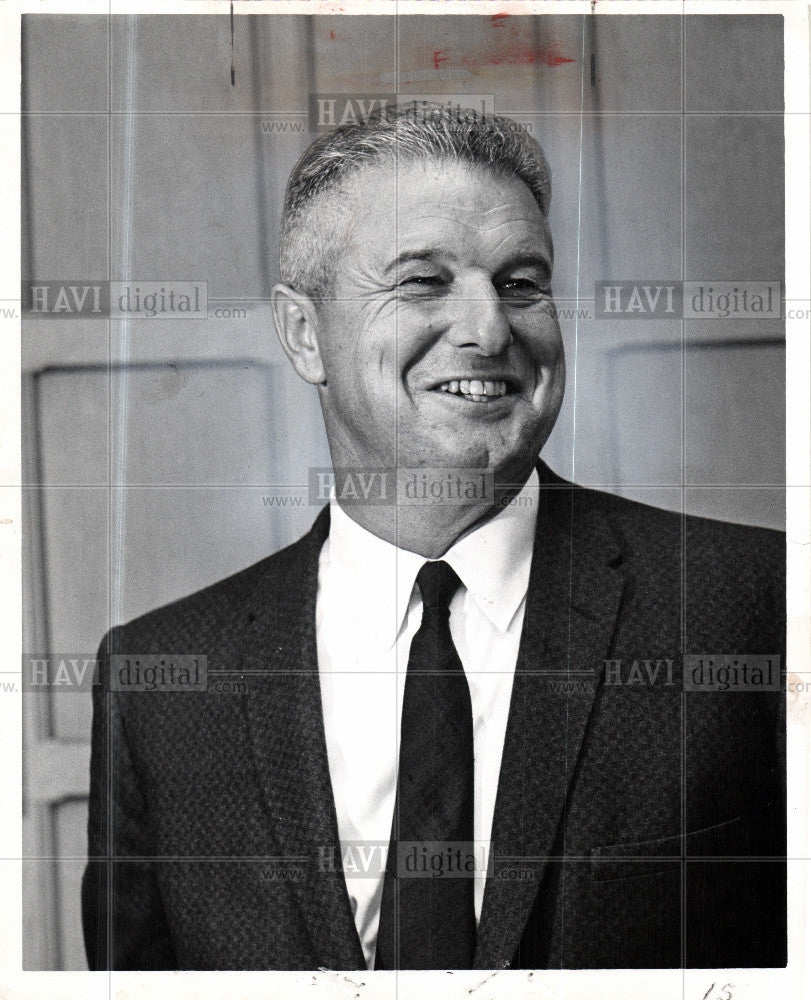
x=428, y=529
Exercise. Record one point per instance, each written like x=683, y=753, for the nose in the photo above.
x=480, y=320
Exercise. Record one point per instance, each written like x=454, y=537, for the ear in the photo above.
x=297, y=326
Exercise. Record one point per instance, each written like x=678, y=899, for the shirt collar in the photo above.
x=492, y=561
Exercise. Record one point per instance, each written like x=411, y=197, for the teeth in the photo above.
x=478, y=388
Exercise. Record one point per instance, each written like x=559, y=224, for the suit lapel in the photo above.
x=572, y=604
x=289, y=747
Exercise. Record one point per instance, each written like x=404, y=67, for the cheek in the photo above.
x=364, y=332
x=341, y=342
x=543, y=339
x=386, y=347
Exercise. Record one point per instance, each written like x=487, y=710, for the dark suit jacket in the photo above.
x=636, y=825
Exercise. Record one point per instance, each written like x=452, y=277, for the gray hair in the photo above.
x=310, y=243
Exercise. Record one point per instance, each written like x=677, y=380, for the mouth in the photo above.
x=477, y=390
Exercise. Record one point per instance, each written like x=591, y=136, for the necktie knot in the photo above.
x=438, y=583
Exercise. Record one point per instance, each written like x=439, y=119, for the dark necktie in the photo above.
x=427, y=920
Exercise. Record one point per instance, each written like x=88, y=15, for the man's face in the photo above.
x=440, y=343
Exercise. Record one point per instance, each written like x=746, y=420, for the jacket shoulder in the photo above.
x=220, y=607
x=635, y=517
x=746, y=557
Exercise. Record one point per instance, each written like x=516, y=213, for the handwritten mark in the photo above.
x=479, y=985
x=724, y=993
x=340, y=977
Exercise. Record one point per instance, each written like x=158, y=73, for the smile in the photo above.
x=475, y=390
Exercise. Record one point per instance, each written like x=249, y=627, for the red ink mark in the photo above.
x=527, y=57
x=554, y=59
x=498, y=19
x=332, y=35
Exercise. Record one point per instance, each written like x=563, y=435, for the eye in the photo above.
x=523, y=290
x=422, y=279
x=423, y=285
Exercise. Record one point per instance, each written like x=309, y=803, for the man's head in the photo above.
x=417, y=260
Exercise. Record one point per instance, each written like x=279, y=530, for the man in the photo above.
x=410, y=669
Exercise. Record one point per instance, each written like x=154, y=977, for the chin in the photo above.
x=466, y=455
x=446, y=453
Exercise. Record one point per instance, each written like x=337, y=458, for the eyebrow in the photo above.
x=540, y=261
x=430, y=254
x=435, y=253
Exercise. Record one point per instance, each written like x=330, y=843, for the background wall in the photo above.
x=162, y=455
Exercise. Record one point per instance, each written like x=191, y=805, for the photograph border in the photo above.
x=689, y=984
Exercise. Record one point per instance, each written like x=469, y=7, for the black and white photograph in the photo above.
x=413, y=428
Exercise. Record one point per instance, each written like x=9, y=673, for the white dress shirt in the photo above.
x=367, y=612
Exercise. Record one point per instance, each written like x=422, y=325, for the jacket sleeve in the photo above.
x=123, y=918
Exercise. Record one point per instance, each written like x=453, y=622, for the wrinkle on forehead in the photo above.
x=471, y=221
x=492, y=215
x=428, y=225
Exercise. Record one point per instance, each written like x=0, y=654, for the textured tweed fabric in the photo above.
x=637, y=824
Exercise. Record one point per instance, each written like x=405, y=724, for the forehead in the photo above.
x=410, y=205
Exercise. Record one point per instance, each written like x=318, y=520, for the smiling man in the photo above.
x=435, y=343
x=471, y=733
